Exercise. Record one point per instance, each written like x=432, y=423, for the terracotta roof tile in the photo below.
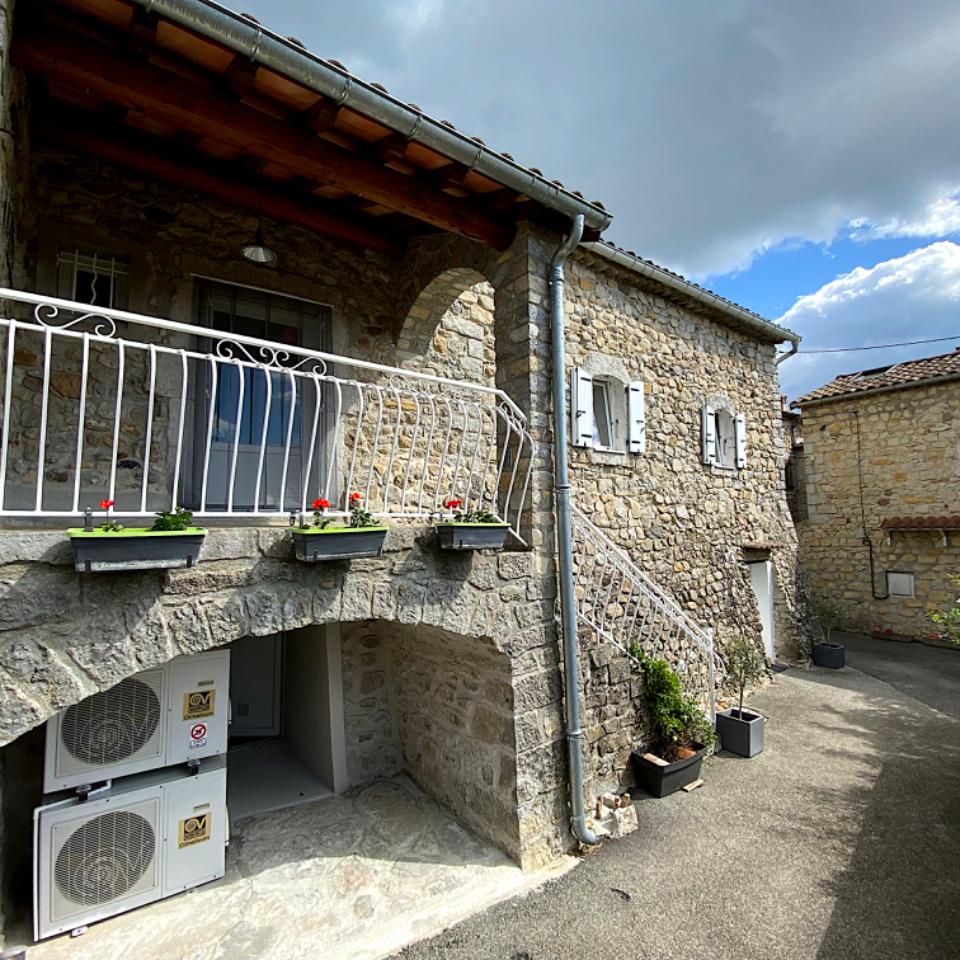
x=910, y=373
x=922, y=523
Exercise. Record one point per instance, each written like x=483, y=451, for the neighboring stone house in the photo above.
x=385, y=330
x=881, y=483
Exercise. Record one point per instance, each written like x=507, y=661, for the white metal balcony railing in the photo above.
x=154, y=414
x=624, y=607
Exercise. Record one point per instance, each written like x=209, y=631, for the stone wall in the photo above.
x=909, y=466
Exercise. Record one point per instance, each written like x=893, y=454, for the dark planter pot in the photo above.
x=339, y=543
x=741, y=733
x=832, y=655
x=132, y=549
x=472, y=536
x=662, y=781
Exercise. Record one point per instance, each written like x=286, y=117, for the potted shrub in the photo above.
x=948, y=621
x=741, y=731
x=826, y=653
x=361, y=536
x=470, y=529
x=172, y=541
x=681, y=729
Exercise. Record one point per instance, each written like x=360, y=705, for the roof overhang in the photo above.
x=189, y=92
x=802, y=404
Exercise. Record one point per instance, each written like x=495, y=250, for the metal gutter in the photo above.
x=568, y=603
x=770, y=332
x=216, y=22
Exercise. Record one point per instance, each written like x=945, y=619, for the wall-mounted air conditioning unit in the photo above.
x=171, y=714
x=146, y=837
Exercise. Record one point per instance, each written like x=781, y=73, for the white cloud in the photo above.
x=913, y=297
x=941, y=218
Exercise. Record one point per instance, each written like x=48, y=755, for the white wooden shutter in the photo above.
x=636, y=418
x=740, y=433
x=581, y=408
x=709, y=435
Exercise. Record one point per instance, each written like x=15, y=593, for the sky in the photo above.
x=802, y=159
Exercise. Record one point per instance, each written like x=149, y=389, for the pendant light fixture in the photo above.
x=257, y=251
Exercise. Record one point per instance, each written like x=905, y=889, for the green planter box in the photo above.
x=315, y=545
x=472, y=536
x=135, y=548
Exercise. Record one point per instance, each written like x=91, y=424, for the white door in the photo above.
x=266, y=419
x=761, y=578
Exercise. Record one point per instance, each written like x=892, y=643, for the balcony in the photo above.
x=155, y=414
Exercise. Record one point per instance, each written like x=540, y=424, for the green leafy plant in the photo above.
x=179, y=519
x=948, y=621
x=109, y=525
x=745, y=665
x=359, y=515
x=831, y=616
x=469, y=516
x=677, y=718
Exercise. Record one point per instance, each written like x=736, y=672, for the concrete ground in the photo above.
x=840, y=842
x=355, y=876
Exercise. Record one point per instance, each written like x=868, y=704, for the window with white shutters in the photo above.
x=636, y=418
x=581, y=408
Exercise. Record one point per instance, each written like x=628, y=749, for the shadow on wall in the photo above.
x=900, y=892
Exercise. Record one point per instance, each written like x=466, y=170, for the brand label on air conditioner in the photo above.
x=199, y=704
x=194, y=830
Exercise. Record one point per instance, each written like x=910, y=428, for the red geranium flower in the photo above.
x=452, y=503
x=106, y=504
x=321, y=504
x=355, y=497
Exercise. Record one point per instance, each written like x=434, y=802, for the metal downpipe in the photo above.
x=568, y=609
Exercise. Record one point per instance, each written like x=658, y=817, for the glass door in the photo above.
x=262, y=417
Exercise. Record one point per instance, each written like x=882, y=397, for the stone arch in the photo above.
x=449, y=329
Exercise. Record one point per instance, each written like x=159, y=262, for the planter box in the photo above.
x=472, y=536
x=662, y=781
x=832, y=655
x=338, y=543
x=135, y=549
x=741, y=733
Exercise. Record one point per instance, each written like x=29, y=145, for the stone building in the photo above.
x=385, y=330
x=881, y=483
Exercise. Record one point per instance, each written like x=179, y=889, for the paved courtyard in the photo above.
x=840, y=842
x=355, y=876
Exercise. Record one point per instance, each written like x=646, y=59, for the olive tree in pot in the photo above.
x=682, y=731
x=826, y=653
x=741, y=731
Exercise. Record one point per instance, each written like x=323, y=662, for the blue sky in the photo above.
x=802, y=159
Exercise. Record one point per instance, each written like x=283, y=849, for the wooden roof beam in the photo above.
x=146, y=155
x=123, y=80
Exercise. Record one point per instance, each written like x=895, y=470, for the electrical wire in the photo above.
x=879, y=346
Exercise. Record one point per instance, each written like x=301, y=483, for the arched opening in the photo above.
x=449, y=330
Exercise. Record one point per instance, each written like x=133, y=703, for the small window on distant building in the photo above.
x=900, y=584
x=100, y=279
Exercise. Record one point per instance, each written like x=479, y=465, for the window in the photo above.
x=97, y=278
x=606, y=414
x=724, y=438
x=603, y=425
x=900, y=584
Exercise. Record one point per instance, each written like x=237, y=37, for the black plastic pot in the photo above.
x=340, y=543
x=741, y=733
x=832, y=655
x=662, y=781
x=132, y=549
x=472, y=536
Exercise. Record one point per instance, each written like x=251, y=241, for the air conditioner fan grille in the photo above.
x=111, y=726
x=104, y=858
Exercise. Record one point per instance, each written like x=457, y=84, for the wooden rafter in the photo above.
x=221, y=181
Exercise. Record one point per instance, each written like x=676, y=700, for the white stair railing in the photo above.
x=626, y=608
x=153, y=414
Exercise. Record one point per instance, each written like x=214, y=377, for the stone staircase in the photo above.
x=625, y=608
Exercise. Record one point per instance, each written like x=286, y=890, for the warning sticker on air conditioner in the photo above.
x=194, y=830
x=199, y=704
